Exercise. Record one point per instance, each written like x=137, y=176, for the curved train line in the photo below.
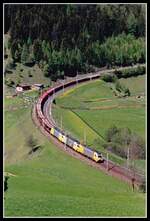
x=43, y=118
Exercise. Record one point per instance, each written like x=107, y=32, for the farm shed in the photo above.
x=23, y=87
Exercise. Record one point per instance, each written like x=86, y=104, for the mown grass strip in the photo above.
x=101, y=136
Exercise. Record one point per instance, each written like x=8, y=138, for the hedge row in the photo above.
x=131, y=72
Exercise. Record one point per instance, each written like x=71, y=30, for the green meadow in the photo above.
x=92, y=108
x=49, y=182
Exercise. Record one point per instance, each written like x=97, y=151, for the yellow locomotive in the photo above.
x=74, y=144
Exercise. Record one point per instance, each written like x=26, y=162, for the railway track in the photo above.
x=46, y=101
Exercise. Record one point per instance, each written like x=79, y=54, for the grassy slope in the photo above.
x=74, y=125
x=135, y=84
x=55, y=184
x=123, y=112
x=51, y=183
x=103, y=119
x=131, y=111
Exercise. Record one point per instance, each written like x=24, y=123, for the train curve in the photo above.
x=42, y=117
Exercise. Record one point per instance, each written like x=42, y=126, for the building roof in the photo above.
x=23, y=85
x=38, y=85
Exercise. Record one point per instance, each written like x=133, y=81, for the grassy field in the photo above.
x=136, y=85
x=95, y=108
x=52, y=183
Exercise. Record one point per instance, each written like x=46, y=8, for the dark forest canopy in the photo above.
x=70, y=24
x=70, y=37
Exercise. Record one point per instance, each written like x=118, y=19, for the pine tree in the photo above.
x=24, y=54
x=46, y=70
x=29, y=41
x=132, y=24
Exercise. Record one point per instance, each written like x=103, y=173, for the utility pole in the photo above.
x=50, y=108
x=53, y=94
x=107, y=162
x=61, y=122
x=84, y=136
x=65, y=141
x=128, y=158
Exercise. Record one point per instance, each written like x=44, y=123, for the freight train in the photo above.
x=66, y=139
x=60, y=135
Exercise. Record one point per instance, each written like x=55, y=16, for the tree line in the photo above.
x=67, y=25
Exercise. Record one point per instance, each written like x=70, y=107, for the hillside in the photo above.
x=51, y=183
x=93, y=108
x=50, y=44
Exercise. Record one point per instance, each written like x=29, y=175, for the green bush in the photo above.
x=123, y=91
x=120, y=139
x=6, y=183
x=10, y=64
x=110, y=133
x=131, y=72
x=142, y=186
x=108, y=77
x=9, y=82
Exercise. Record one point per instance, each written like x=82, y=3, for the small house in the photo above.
x=23, y=87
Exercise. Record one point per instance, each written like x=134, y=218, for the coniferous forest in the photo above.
x=70, y=38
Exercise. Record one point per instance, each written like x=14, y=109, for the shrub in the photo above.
x=6, y=183
x=117, y=149
x=10, y=64
x=9, y=82
x=31, y=141
x=46, y=70
x=109, y=77
x=110, y=133
x=120, y=139
x=130, y=72
x=124, y=91
x=29, y=74
x=142, y=186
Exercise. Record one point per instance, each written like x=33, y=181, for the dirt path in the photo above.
x=9, y=174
